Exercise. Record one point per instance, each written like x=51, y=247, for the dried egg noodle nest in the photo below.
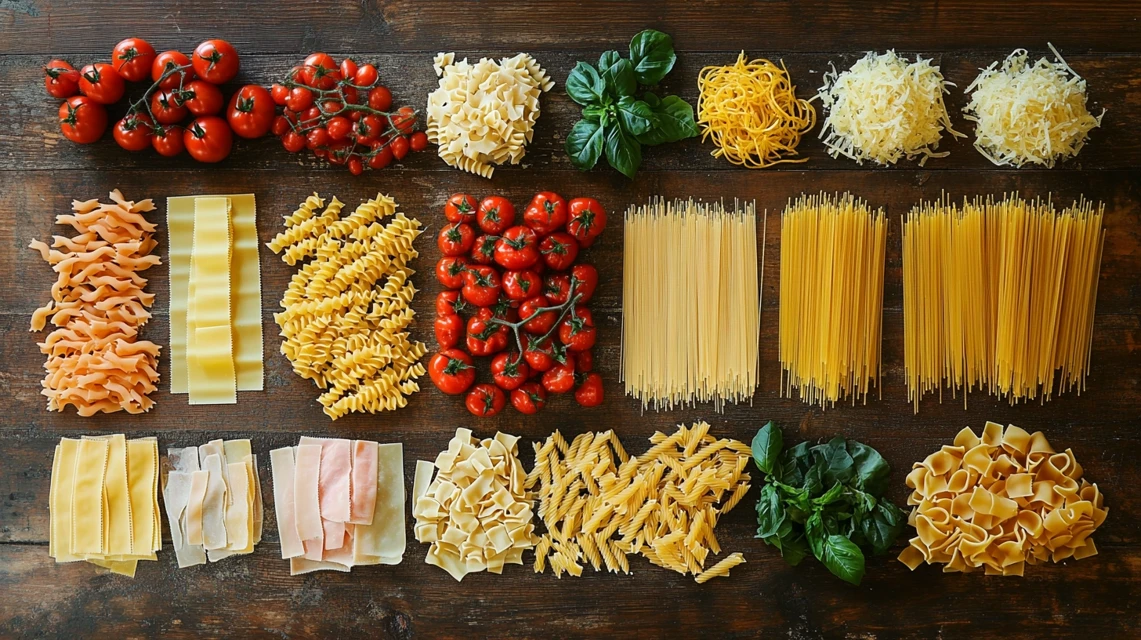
x=484, y=114
x=884, y=108
x=1000, y=502
x=1029, y=113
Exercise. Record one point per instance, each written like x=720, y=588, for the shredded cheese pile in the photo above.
x=1029, y=113
x=884, y=108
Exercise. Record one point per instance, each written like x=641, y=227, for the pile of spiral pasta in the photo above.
x=347, y=310
x=96, y=363
x=751, y=112
x=1000, y=502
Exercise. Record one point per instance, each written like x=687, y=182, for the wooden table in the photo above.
x=40, y=172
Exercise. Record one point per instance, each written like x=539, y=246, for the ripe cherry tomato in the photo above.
x=216, y=61
x=559, y=250
x=495, y=215
x=279, y=92
x=517, y=249
x=449, y=303
x=293, y=141
x=483, y=250
x=251, y=111
x=449, y=329
x=452, y=371
x=380, y=98
x=484, y=336
x=418, y=141
x=587, y=220
x=485, y=400
x=168, y=141
x=318, y=137
x=338, y=127
x=529, y=398
x=61, y=79
x=536, y=322
x=460, y=208
x=317, y=71
x=546, y=213
x=589, y=393
x=583, y=361
x=348, y=69
x=505, y=309
x=405, y=119
x=167, y=107
x=539, y=353
x=368, y=128
x=399, y=147
x=560, y=377
x=481, y=285
x=556, y=286
x=450, y=271
x=168, y=61
x=577, y=330
x=356, y=167
x=520, y=285
x=133, y=132
x=208, y=139
x=382, y=158
x=101, y=83
x=299, y=99
x=82, y=120
x=455, y=239
x=202, y=98
x=584, y=280
x=364, y=76
x=132, y=59
x=509, y=370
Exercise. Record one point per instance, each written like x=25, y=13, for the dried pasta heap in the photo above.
x=347, y=310
x=884, y=108
x=1027, y=113
x=103, y=502
x=1000, y=502
x=96, y=363
x=484, y=114
x=599, y=504
x=751, y=112
x=475, y=512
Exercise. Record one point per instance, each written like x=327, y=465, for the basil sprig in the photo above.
x=826, y=501
x=615, y=121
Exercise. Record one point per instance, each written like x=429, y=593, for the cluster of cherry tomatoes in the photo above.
x=183, y=88
x=524, y=296
x=344, y=115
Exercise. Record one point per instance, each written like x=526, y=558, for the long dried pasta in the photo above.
x=96, y=363
x=347, y=310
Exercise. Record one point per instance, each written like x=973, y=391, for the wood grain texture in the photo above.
x=40, y=173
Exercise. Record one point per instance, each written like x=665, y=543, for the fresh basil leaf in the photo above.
x=585, y=85
x=872, y=471
x=618, y=72
x=635, y=116
x=794, y=549
x=767, y=445
x=814, y=532
x=882, y=527
x=652, y=53
x=623, y=152
x=838, y=465
x=830, y=496
x=584, y=144
x=675, y=122
x=814, y=480
x=651, y=99
x=770, y=512
x=844, y=559
x=795, y=463
x=594, y=113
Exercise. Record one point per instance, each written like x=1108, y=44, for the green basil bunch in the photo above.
x=614, y=119
x=825, y=500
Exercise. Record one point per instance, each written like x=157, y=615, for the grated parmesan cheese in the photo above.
x=884, y=108
x=1029, y=113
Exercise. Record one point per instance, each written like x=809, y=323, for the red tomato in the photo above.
x=460, y=208
x=208, y=139
x=485, y=400
x=584, y=280
x=559, y=250
x=405, y=119
x=520, y=285
x=481, y=285
x=495, y=215
x=587, y=220
x=517, y=249
x=168, y=61
x=365, y=75
x=202, y=98
x=167, y=107
x=381, y=159
x=279, y=92
x=338, y=127
x=546, y=213
x=61, y=79
x=380, y=98
x=418, y=141
x=560, y=377
x=452, y=371
x=216, y=61
x=483, y=250
x=293, y=141
x=505, y=309
x=251, y=111
x=484, y=336
x=101, y=83
x=132, y=59
x=449, y=329
x=536, y=322
x=455, y=239
x=556, y=287
x=348, y=69
x=167, y=141
x=449, y=303
x=589, y=393
x=577, y=330
x=509, y=370
x=318, y=137
x=280, y=126
x=299, y=99
x=356, y=167
x=539, y=354
x=318, y=69
x=133, y=132
x=583, y=361
x=529, y=398
x=368, y=129
x=450, y=271
x=82, y=120
x=399, y=147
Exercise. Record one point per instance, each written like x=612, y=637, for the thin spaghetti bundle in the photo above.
x=751, y=112
x=999, y=295
x=690, y=304
x=831, y=297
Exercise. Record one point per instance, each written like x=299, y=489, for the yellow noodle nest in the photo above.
x=1000, y=502
x=751, y=112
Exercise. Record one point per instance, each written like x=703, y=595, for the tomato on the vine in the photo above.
x=483, y=250
x=167, y=107
x=365, y=75
x=546, y=213
x=481, y=285
x=348, y=69
x=216, y=61
x=529, y=398
x=587, y=220
x=168, y=140
x=560, y=377
x=537, y=322
x=485, y=336
x=509, y=370
x=449, y=303
x=381, y=159
x=101, y=83
x=338, y=127
x=449, y=329
x=460, y=207
x=589, y=393
x=380, y=98
x=293, y=141
x=317, y=71
x=251, y=111
x=517, y=249
x=404, y=119
x=485, y=400
x=520, y=285
x=299, y=99
x=132, y=59
x=556, y=286
x=208, y=139
x=202, y=98
x=450, y=271
x=318, y=137
x=356, y=167
x=452, y=371
x=61, y=79
x=400, y=147
x=169, y=61
x=418, y=141
x=577, y=330
x=559, y=250
x=82, y=120
x=368, y=128
x=583, y=281
x=279, y=92
x=133, y=132
x=455, y=239
x=539, y=353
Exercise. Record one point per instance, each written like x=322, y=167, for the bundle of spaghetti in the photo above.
x=999, y=295
x=751, y=112
x=690, y=303
x=831, y=297
x=347, y=310
x=599, y=504
x=96, y=363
